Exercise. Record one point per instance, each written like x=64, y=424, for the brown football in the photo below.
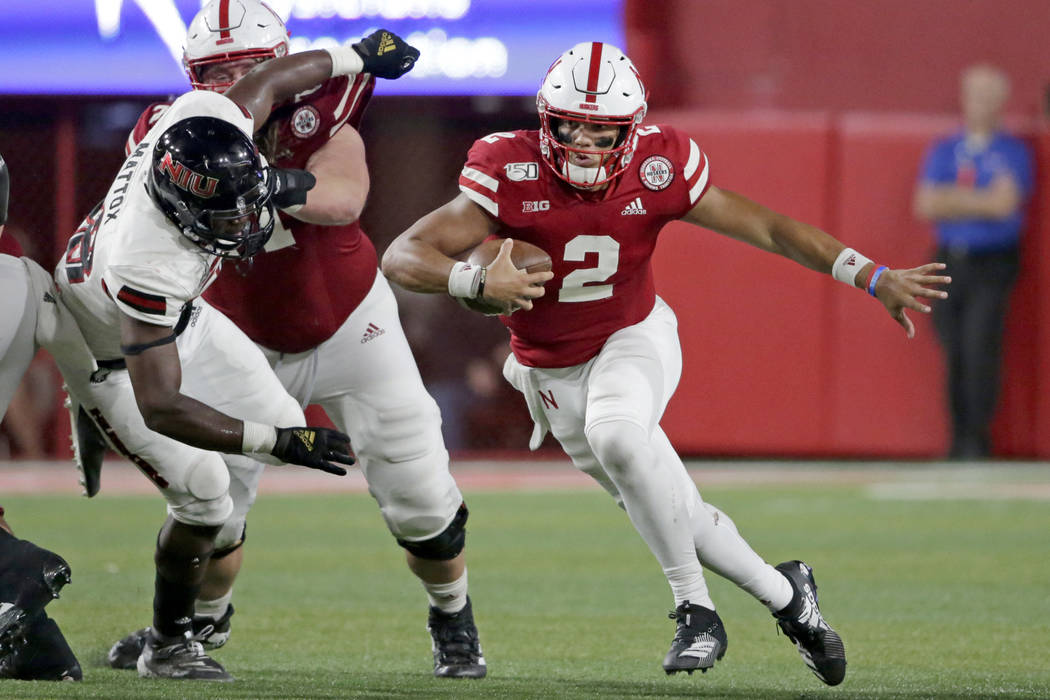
x=525, y=256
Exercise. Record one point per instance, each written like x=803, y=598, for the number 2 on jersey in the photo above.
x=576, y=250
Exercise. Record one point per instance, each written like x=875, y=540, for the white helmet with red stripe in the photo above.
x=592, y=82
x=229, y=30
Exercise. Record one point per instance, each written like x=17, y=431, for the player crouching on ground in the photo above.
x=595, y=351
x=32, y=647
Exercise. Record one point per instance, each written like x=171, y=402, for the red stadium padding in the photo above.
x=779, y=360
x=753, y=327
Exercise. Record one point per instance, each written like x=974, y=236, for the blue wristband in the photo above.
x=875, y=278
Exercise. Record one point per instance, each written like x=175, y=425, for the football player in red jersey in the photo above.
x=595, y=351
x=328, y=323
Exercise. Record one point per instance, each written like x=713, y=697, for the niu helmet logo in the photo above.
x=186, y=179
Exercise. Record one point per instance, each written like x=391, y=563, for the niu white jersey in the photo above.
x=127, y=256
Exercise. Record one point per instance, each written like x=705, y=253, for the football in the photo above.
x=525, y=256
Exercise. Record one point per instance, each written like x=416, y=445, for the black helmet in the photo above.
x=208, y=179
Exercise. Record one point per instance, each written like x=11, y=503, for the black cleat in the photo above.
x=699, y=640
x=89, y=447
x=39, y=653
x=31, y=645
x=454, y=640
x=182, y=659
x=211, y=633
x=12, y=627
x=820, y=646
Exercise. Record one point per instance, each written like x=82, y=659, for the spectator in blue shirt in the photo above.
x=973, y=187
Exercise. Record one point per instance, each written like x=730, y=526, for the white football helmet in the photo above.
x=229, y=30
x=596, y=83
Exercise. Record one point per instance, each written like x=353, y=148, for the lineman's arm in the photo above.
x=342, y=181
x=421, y=259
x=280, y=79
x=156, y=376
x=736, y=216
x=999, y=200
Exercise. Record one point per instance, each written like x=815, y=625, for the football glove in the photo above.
x=313, y=447
x=385, y=54
x=290, y=187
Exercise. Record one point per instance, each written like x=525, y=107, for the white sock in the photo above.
x=448, y=597
x=687, y=583
x=213, y=608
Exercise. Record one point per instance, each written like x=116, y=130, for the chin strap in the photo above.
x=581, y=176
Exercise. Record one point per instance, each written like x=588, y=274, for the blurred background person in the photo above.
x=973, y=187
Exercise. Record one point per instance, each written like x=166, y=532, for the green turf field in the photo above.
x=934, y=598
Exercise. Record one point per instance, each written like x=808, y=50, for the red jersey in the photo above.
x=298, y=293
x=601, y=243
x=9, y=245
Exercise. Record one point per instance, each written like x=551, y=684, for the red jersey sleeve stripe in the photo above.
x=141, y=301
x=479, y=196
x=697, y=173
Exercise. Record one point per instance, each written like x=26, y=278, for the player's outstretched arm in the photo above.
x=423, y=258
x=156, y=376
x=736, y=216
x=381, y=53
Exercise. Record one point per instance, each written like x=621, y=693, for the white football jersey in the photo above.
x=127, y=256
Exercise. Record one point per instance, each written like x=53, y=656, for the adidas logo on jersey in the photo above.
x=634, y=207
x=371, y=333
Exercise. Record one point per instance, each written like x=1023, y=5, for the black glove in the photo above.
x=385, y=54
x=312, y=447
x=290, y=186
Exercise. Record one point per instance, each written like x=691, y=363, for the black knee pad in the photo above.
x=446, y=545
x=227, y=551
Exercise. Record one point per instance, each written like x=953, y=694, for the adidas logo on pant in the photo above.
x=371, y=333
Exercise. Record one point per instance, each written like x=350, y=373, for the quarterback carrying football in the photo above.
x=595, y=351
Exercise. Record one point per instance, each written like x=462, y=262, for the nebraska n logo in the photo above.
x=548, y=399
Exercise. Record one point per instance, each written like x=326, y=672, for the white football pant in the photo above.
x=606, y=414
x=222, y=368
x=367, y=381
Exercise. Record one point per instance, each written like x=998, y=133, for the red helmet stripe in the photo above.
x=594, y=70
x=224, y=22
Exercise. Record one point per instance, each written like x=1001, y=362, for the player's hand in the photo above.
x=510, y=288
x=385, y=54
x=290, y=186
x=313, y=447
x=901, y=289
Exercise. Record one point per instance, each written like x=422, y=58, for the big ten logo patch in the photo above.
x=305, y=121
x=656, y=172
x=542, y=205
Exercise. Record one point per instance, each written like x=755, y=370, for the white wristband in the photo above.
x=345, y=61
x=292, y=209
x=847, y=265
x=257, y=437
x=465, y=280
